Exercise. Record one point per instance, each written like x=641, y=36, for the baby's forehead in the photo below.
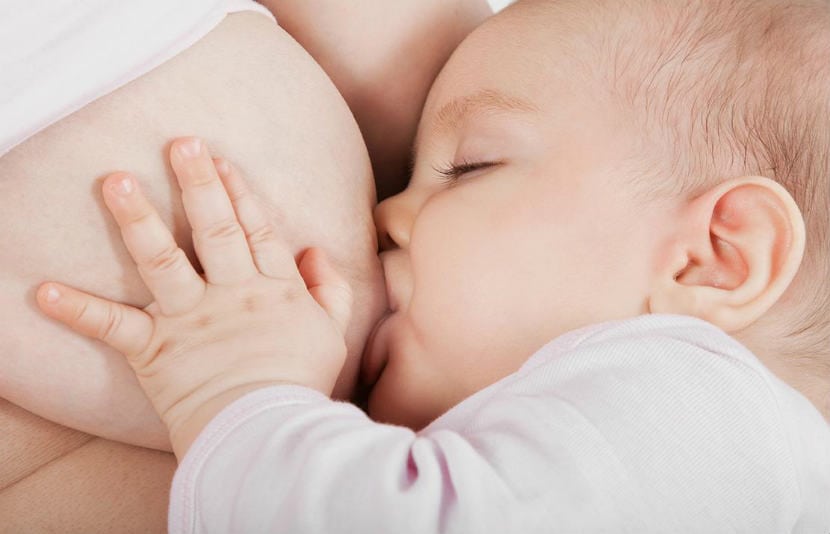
x=558, y=44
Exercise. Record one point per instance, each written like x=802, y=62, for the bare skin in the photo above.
x=55, y=479
x=383, y=84
x=93, y=484
x=251, y=117
x=249, y=90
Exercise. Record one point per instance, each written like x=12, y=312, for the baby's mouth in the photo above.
x=376, y=352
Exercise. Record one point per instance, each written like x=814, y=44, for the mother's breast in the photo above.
x=257, y=98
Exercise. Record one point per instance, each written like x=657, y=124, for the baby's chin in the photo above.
x=389, y=402
x=386, y=405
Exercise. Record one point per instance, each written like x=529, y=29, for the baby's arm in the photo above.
x=383, y=57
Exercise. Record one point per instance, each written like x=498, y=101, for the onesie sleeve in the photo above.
x=287, y=459
x=645, y=435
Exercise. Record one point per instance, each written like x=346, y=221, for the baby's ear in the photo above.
x=737, y=248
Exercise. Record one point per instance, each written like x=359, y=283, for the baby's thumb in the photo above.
x=331, y=291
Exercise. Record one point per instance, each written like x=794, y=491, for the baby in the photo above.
x=608, y=291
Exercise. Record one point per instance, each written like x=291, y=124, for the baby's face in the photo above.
x=530, y=235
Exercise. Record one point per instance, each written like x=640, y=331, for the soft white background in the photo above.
x=498, y=4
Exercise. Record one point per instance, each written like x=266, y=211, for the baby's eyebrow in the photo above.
x=452, y=113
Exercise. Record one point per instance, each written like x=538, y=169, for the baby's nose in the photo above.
x=393, y=219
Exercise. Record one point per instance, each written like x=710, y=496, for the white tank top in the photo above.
x=56, y=56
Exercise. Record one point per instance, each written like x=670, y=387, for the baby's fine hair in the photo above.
x=721, y=89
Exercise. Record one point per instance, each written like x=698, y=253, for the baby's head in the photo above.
x=585, y=161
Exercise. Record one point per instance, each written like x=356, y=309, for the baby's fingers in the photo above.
x=271, y=254
x=124, y=328
x=163, y=266
x=331, y=291
x=217, y=235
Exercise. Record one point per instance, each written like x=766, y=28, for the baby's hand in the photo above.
x=258, y=317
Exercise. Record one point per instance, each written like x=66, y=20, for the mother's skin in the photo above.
x=255, y=96
x=251, y=92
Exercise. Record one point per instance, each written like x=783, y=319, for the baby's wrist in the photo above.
x=185, y=427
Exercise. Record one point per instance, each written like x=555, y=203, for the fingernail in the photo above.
x=52, y=294
x=190, y=148
x=123, y=186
